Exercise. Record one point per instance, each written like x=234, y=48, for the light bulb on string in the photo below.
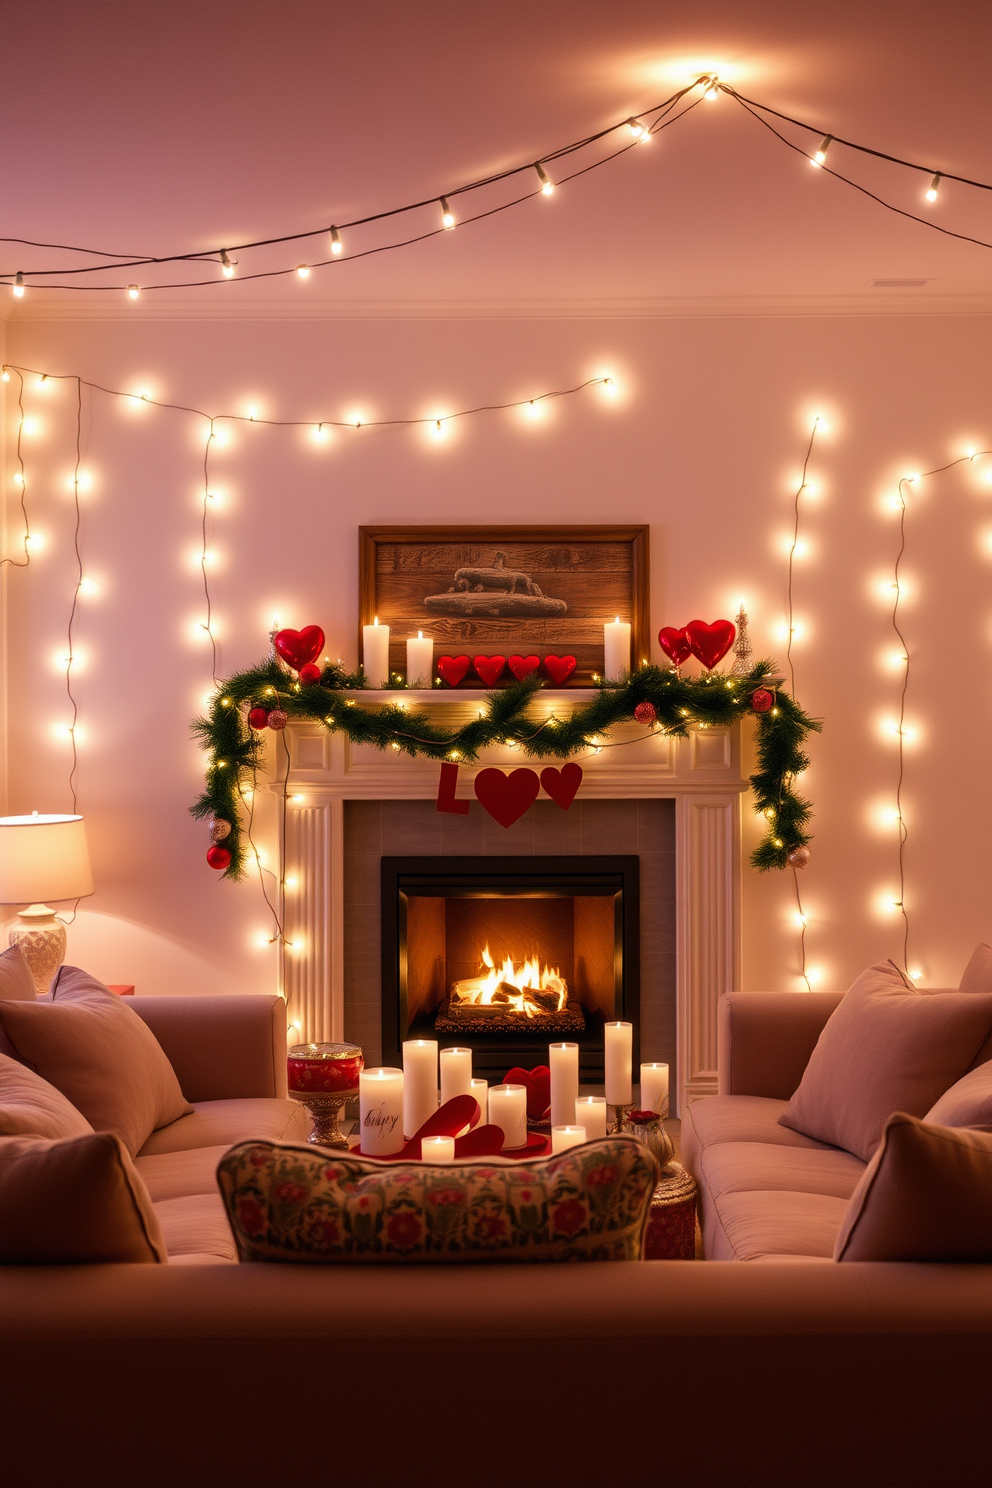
x=18, y=285
x=447, y=215
x=303, y=271
x=933, y=188
x=4, y=376
x=821, y=154
x=336, y=244
x=712, y=90
x=227, y=264
x=547, y=185
x=133, y=291
x=319, y=434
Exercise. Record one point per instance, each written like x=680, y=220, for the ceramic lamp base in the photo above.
x=41, y=938
x=325, y=1110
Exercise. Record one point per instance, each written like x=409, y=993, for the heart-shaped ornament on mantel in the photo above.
x=559, y=668
x=675, y=644
x=453, y=668
x=489, y=668
x=523, y=666
x=506, y=797
x=710, y=643
x=562, y=785
x=299, y=647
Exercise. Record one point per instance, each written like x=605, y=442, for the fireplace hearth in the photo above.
x=505, y=955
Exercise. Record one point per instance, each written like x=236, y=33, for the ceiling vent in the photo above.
x=898, y=283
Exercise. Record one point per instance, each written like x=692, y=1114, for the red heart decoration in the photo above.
x=506, y=797
x=297, y=647
x=453, y=668
x=675, y=644
x=522, y=666
x=559, y=668
x=538, y=1083
x=710, y=643
x=489, y=668
x=561, y=785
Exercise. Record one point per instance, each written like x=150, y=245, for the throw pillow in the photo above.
x=101, y=1055
x=967, y=1103
x=590, y=1203
x=926, y=1195
x=78, y=1201
x=16, y=981
x=30, y=1107
x=886, y=1047
x=977, y=977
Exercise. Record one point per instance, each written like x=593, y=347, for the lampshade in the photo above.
x=42, y=858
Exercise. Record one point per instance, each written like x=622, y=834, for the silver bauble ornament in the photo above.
x=798, y=857
x=219, y=829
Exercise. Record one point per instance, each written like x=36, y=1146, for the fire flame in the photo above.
x=514, y=984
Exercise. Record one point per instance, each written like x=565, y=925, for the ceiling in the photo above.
x=171, y=127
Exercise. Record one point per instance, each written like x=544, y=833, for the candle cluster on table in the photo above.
x=420, y=654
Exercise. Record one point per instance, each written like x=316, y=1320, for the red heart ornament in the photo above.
x=506, y=797
x=489, y=668
x=297, y=647
x=559, y=668
x=710, y=643
x=561, y=785
x=675, y=644
x=453, y=668
x=537, y=1082
x=522, y=666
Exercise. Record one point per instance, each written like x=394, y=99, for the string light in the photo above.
x=18, y=285
x=712, y=90
x=337, y=247
x=933, y=188
x=133, y=291
x=447, y=215
x=547, y=185
x=303, y=271
x=636, y=128
x=821, y=153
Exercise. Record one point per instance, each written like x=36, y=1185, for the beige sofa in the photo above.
x=789, y=1372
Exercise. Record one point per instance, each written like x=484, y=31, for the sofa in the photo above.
x=199, y=1372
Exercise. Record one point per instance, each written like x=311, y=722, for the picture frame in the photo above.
x=505, y=590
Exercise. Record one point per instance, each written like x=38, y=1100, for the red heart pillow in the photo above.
x=453, y=668
x=559, y=668
x=675, y=644
x=522, y=666
x=538, y=1083
x=298, y=647
x=489, y=668
x=710, y=643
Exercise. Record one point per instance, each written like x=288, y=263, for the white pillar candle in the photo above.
x=654, y=1088
x=590, y=1112
x=563, y=1137
x=564, y=1082
x=508, y=1111
x=375, y=653
x=437, y=1149
x=456, y=1073
x=420, y=660
x=618, y=1057
x=380, y=1107
x=480, y=1089
x=616, y=646
x=419, y=1083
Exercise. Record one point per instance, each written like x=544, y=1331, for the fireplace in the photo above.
x=506, y=955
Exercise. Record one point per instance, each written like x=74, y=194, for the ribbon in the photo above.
x=450, y=1119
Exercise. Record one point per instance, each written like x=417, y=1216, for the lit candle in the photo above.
x=420, y=1083
x=480, y=1089
x=375, y=653
x=380, y=1107
x=508, y=1111
x=437, y=1149
x=618, y=1055
x=564, y=1082
x=420, y=660
x=456, y=1073
x=654, y=1088
x=563, y=1137
x=616, y=645
x=590, y=1112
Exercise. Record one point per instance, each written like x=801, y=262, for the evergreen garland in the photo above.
x=237, y=751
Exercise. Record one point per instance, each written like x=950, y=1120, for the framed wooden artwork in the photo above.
x=507, y=590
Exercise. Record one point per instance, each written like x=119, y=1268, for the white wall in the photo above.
x=705, y=443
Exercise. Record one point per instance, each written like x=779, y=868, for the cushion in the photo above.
x=766, y=1225
x=177, y=1175
x=925, y=1196
x=212, y=1123
x=104, y=1059
x=751, y=1167
x=195, y=1228
x=977, y=977
x=16, y=980
x=74, y=1201
x=30, y=1107
x=886, y=1048
x=967, y=1103
x=295, y=1204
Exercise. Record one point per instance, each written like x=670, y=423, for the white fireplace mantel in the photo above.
x=701, y=773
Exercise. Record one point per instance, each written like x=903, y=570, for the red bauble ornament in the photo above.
x=259, y=718
x=798, y=857
x=761, y=699
x=675, y=644
x=218, y=857
x=453, y=668
x=523, y=666
x=646, y=713
x=297, y=647
x=710, y=643
x=278, y=719
x=309, y=672
x=489, y=668
x=559, y=668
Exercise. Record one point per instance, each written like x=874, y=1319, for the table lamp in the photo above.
x=42, y=857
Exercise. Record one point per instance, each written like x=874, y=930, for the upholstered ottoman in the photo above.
x=671, y=1231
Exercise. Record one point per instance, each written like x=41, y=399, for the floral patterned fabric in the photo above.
x=287, y=1203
